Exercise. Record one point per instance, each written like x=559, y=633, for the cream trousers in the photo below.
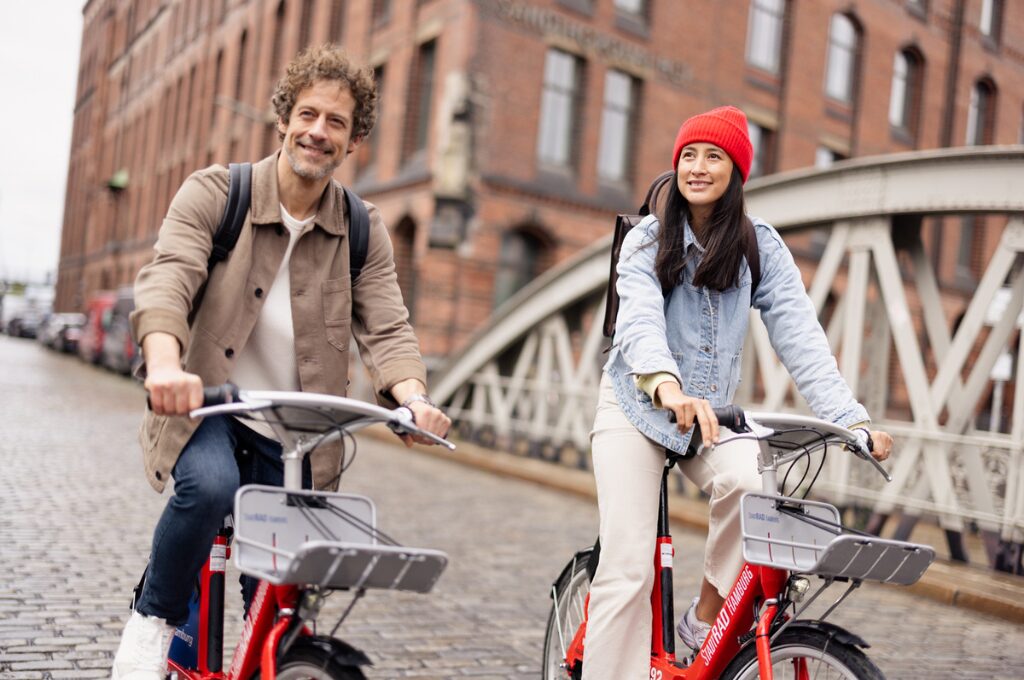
x=627, y=469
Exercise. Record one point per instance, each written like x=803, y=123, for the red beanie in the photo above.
x=726, y=128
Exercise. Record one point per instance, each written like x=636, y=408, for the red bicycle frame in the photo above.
x=261, y=633
x=756, y=585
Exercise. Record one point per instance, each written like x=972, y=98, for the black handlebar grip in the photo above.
x=220, y=394
x=732, y=417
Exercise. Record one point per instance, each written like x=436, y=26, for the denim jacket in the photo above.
x=697, y=334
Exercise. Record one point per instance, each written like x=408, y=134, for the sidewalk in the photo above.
x=960, y=585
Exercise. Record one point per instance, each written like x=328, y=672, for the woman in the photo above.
x=685, y=291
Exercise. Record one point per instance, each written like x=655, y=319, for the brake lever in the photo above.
x=863, y=450
x=406, y=424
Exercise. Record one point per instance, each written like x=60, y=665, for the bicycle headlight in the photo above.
x=798, y=587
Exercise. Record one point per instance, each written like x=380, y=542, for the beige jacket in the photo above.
x=326, y=310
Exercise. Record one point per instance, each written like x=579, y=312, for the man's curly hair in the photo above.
x=328, y=62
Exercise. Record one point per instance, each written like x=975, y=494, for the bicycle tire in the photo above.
x=569, y=598
x=827, y=658
x=310, y=663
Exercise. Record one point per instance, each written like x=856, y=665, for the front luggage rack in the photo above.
x=807, y=537
x=325, y=539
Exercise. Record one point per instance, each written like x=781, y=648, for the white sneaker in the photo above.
x=692, y=631
x=142, y=654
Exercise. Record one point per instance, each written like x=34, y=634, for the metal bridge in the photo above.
x=527, y=381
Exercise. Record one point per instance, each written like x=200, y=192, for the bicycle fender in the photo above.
x=340, y=651
x=579, y=557
x=830, y=629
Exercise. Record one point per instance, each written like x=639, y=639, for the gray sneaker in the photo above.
x=692, y=631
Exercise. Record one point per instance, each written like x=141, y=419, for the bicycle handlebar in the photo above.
x=220, y=394
x=857, y=441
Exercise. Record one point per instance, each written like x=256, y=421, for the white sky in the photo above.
x=39, y=42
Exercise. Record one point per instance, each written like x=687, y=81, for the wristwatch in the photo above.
x=418, y=397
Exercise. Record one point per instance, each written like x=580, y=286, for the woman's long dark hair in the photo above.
x=723, y=238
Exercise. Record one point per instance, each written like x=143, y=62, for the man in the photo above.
x=277, y=314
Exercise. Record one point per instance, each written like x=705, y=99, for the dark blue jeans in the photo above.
x=221, y=456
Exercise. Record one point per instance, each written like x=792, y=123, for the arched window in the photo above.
x=981, y=113
x=520, y=261
x=905, y=93
x=405, y=261
x=843, y=52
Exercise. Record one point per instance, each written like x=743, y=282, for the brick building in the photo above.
x=511, y=131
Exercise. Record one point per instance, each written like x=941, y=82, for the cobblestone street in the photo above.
x=76, y=516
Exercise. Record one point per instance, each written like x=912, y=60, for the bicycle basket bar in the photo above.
x=874, y=559
x=365, y=566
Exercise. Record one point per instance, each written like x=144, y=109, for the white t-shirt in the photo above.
x=268, y=360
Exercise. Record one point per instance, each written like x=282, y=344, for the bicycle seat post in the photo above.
x=767, y=465
x=292, y=459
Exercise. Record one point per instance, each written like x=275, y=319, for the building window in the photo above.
x=824, y=157
x=635, y=8
x=518, y=263
x=305, y=24
x=617, y=127
x=841, y=68
x=405, y=262
x=905, y=94
x=337, y=21
x=559, y=109
x=275, y=45
x=981, y=113
x=764, y=34
x=366, y=154
x=381, y=11
x=762, y=139
x=421, y=92
x=970, y=230
x=991, y=19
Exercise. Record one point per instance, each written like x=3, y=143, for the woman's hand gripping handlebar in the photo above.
x=729, y=416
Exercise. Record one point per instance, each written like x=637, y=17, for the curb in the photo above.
x=960, y=585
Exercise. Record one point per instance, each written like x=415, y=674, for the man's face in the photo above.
x=318, y=134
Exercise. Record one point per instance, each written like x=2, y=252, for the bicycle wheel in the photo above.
x=806, y=653
x=309, y=663
x=567, y=613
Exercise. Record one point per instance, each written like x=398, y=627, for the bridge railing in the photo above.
x=528, y=380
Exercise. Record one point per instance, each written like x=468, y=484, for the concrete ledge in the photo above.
x=959, y=585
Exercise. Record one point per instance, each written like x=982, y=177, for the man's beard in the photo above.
x=314, y=173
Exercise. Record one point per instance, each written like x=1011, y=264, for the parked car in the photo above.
x=97, y=313
x=119, y=351
x=25, y=324
x=62, y=331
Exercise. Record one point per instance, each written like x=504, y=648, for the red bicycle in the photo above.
x=786, y=542
x=302, y=545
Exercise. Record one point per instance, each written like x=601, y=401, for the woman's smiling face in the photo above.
x=703, y=174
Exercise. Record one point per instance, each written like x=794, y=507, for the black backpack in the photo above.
x=623, y=223
x=239, y=198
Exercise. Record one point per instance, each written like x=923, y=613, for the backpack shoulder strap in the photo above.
x=623, y=224
x=654, y=193
x=358, y=231
x=753, y=256
x=239, y=198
